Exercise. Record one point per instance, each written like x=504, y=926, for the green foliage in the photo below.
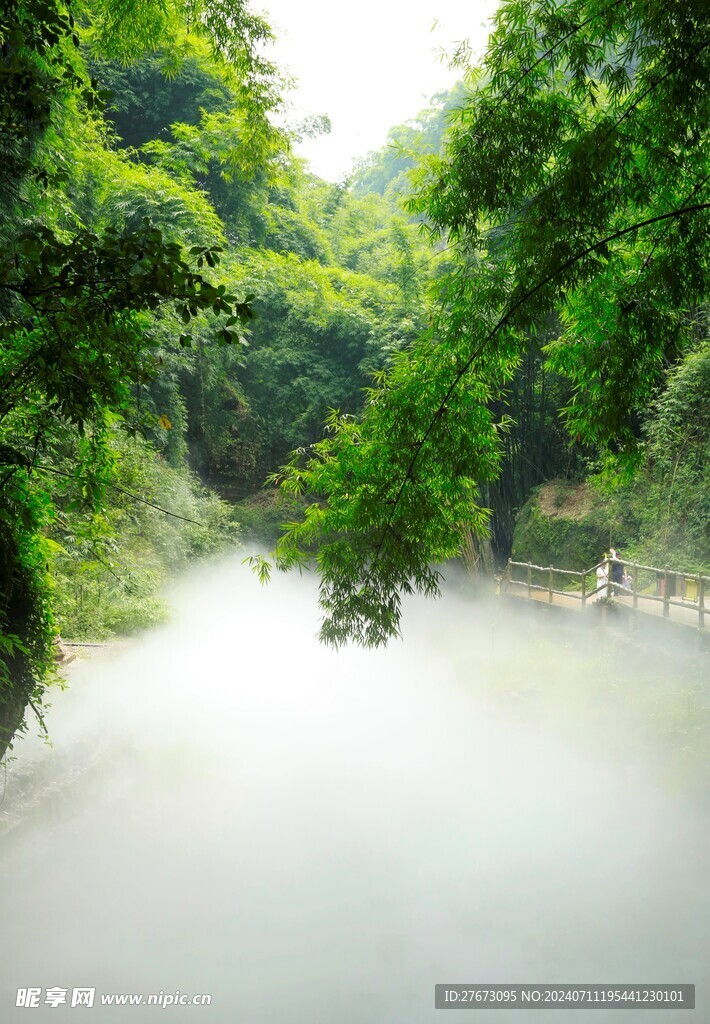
x=661, y=515
x=536, y=447
x=26, y=619
x=89, y=289
x=148, y=95
x=202, y=131
x=119, y=306
x=110, y=563
x=129, y=194
x=374, y=537
x=568, y=536
x=602, y=207
x=670, y=497
x=124, y=31
x=317, y=334
x=573, y=190
x=96, y=250
x=262, y=514
x=40, y=65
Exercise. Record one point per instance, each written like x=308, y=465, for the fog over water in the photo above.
x=318, y=837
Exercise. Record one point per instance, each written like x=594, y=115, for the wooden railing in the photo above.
x=640, y=583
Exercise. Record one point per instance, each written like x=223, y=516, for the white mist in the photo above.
x=315, y=837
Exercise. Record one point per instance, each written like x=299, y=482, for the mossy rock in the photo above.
x=565, y=525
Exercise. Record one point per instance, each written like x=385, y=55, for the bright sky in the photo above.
x=369, y=65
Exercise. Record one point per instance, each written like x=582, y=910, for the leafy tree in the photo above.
x=80, y=282
x=679, y=455
x=668, y=501
x=107, y=559
x=574, y=186
x=119, y=304
x=149, y=95
x=317, y=335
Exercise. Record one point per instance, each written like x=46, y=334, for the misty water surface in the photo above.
x=319, y=837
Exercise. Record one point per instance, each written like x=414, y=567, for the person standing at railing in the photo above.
x=617, y=571
x=602, y=577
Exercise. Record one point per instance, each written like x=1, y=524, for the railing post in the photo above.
x=584, y=591
x=701, y=602
x=529, y=580
x=635, y=583
x=666, y=593
x=549, y=584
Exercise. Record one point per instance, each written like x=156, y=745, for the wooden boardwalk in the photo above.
x=662, y=593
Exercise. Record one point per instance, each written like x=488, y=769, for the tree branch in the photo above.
x=682, y=211
x=122, y=490
x=548, y=53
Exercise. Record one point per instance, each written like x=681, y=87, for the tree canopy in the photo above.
x=574, y=194
x=178, y=296
x=83, y=277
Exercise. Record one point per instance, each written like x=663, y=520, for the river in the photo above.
x=319, y=837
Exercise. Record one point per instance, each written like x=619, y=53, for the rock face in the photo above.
x=563, y=524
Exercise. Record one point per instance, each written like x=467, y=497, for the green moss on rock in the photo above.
x=565, y=525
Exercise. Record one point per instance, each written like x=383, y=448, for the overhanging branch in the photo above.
x=501, y=323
